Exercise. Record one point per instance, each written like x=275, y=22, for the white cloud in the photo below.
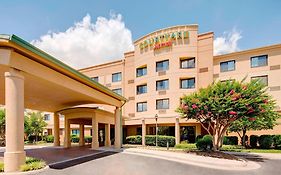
x=86, y=43
x=227, y=43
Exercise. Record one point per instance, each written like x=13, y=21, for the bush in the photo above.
x=50, y=139
x=1, y=166
x=254, y=141
x=88, y=139
x=33, y=166
x=206, y=143
x=187, y=146
x=161, y=140
x=74, y=139
x=198, y=137
x=230, y=140
x=277, y=141
x=137, y=139
x=265, y=141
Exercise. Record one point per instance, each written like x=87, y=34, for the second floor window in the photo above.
x=227, y=66
x=162, y=104
x=263, y=79
x=141, y=71
x=116, y=77
x=162, y=85
x=162, y=65
x=259, y=61
x=187, y=63
x=142, y=106
x=95, y=79
x=141, y=89
x=117, y=91
x=188, y=83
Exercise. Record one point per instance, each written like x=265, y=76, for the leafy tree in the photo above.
x=34, y=124
x=242, y=125
x=221, y=103
x=2, y=127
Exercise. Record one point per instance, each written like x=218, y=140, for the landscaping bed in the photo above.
x=215, y=154
x=30, y=164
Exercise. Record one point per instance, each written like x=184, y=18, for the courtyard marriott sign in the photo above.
x=165, y=40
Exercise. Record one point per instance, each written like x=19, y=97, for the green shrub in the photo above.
x=277, y=141
x=1, y=166
x=88, y=139
x=137, y=139
x=265, y=141
x=161, y=140
x=230, y=140
x=184, y=142
x=49, y=139
x=187, y=146
x=198, y=137
x=33, y=166
x=74, y=139
x=205, y=143
x=254, y=141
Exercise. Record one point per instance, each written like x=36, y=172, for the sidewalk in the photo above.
x=187, y=158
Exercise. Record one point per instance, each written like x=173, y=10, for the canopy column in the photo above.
x=56, y=129
x=95, y=134
x=143, y=127
x=117, y=117
x=14, y=155
x=67, y=141
x=107, y=135
x=81, y=135
x=177, y=130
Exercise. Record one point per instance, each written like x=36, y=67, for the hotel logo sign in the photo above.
x=165, y=40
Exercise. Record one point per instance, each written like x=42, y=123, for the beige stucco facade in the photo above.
x=207, y=69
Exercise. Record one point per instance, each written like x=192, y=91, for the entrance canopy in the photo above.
x=49, y=85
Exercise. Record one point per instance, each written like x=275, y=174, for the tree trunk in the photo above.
x=244, y=136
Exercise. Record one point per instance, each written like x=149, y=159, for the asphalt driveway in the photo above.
x=128, y=164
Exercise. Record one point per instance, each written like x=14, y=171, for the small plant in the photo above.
x=277, y=141
x=49, y=138
x=1, y=166
x=74, y=138
x=88, y=139
x=137, y=139
x=33, y=166
x=205, y=144
x=265, y=141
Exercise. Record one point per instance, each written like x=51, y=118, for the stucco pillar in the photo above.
x=177, y=130
x=81, y=135
x=107, y=135
x=117, y=117
x=95, y=132
x=14, y=155
x=67, y=140
x=56, y=129
x=143, y=128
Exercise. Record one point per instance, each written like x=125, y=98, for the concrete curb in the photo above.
x=207, y=162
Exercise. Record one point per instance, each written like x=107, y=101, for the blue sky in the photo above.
x=258, y=21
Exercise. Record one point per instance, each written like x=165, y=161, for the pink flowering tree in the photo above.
x=220, y=104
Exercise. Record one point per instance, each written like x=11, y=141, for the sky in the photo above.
x=87, y=32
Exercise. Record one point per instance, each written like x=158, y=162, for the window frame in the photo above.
x=161, y=81
x=117, y=73
x=142, y=103
x=96, y=79
x=162, y=66
x=251, y=60
x=141, y=68
x=142, y=85
x=227, y=67
x=187, y=59
x=157, y=100
x=260, y=76
x=117, y=89
x=187, y=79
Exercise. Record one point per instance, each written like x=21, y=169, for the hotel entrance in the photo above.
x=188, y=133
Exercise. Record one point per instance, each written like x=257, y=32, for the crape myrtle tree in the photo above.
x=217, y=106
x=34, y=124
x=266, y=120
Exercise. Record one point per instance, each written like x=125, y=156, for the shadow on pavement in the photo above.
x=250, y=157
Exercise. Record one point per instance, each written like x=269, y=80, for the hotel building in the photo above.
x=169, y=63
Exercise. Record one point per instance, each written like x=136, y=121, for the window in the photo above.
x=47, y=117
x=142, y=106
x=95, y=79
x=141, y=71
x=116, y=77
x=162, y=65
x=117, y=91
x=262, y=79
x=162, y=85
x=227, y=66
x=162, y=104
x=75, y=131
x=187, y=63
x=258, y=61
x=141, y=89
x=188, y=83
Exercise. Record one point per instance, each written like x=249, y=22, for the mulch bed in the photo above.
x=215, y=154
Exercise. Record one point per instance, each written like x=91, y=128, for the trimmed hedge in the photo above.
x=230, y=140
x=265, y=141
x=198, y=137
x=88, y=139
x=277, y=141
x=74, y=138
x=161, y=140
x=254, y=141
x=49, y=139
x=137, y=139
x=206, y=143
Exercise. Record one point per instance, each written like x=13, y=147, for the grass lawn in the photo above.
x=237, y=148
